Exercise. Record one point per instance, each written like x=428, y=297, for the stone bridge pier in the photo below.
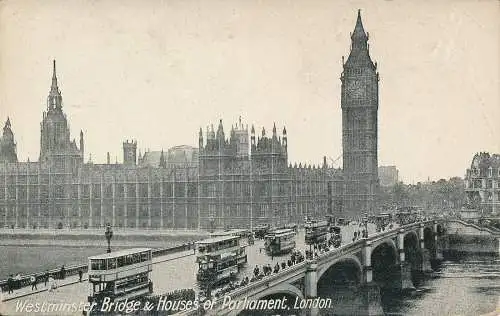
x=427, y=247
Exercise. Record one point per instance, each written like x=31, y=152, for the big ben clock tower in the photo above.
x=359, y=102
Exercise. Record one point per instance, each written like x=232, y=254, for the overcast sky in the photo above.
x=156, y=71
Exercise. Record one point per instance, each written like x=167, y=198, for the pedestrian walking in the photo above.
x=46, y=278
x=10, y=284
x=33, y=281
x=63, y=273
x=17, y=281
x=80, y=274
x=52, y=283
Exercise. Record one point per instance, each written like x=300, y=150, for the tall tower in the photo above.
x=359, y=102
x=55, y=143
x=130, y=153
x=7, y=144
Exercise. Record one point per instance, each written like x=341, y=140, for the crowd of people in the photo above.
x=260, y=272
x=49, y=280
x=297, y=256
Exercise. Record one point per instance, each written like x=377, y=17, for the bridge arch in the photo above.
x=412, y=232
x=348, y=260
x=385, y=263
x=411, y=246
x=429, y=241
x=386, y=244
x=340, y=280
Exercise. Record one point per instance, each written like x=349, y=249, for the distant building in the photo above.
x=482, y=183
x=241, y=184
x=388, y=175
x=182, y=156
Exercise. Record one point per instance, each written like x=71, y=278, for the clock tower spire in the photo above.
x=359, y=102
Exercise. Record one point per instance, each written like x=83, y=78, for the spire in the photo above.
x=163, y=163
x=54, y=77
x=359, y=55
x=82, y=145
x=359, y=31
x=274, y=129
x=220, y=131
x=211, y=135
x=54, y=99
x=7, y=135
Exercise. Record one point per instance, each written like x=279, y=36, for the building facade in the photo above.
x=248, y=180
x=359, y=102
x=388, y=175
x=234, y=181
x=482, y=183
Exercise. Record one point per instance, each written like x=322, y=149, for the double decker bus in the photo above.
x=336, y=221
x=261, y=231
x=316, y=232
x=243, y=233
x=292, y=226
x=120, y=275
x=280, y=241
x=219, y=259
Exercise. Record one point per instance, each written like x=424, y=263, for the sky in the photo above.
x=156, y=71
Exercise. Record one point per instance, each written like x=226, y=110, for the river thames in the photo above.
x=470, y=286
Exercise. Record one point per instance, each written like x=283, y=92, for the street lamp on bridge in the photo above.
x=109, y=235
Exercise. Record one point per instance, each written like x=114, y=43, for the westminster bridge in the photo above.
x=387, y=260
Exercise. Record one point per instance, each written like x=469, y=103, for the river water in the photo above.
x=470, y=286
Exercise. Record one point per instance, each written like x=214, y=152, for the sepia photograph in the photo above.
x=245, y=157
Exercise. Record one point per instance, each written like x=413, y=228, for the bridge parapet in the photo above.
x=292, y=273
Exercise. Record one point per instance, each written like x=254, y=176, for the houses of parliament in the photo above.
x=237, y=179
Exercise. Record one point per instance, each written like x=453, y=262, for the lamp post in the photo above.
x=109, y=235
x=212, y=224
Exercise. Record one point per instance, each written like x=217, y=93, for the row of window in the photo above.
x=479, y=184
x=477, y=172
x=120, y=261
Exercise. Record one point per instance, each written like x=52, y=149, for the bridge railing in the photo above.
x=72, y=270
x=338, y=252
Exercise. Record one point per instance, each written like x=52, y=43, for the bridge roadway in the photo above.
x=171, y=272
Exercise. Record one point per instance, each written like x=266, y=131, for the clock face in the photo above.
x=354, y=88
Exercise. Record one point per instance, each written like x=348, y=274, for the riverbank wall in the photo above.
x=96, y=238
x=456, y=245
